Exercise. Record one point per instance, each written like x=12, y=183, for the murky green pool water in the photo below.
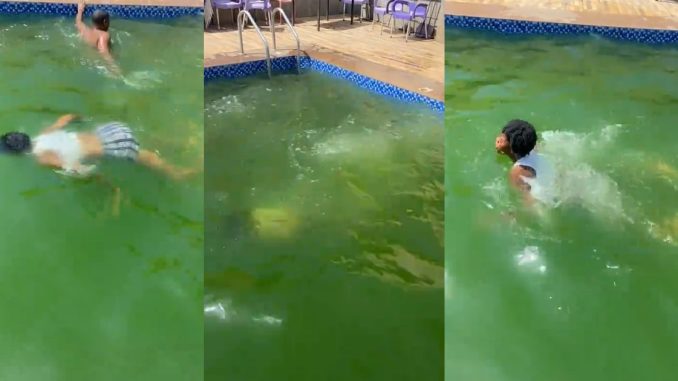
x=85, y=295
x=587, y=291
x=323, y=234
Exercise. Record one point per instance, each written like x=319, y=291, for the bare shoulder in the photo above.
x=517, y=174
x=104, y=37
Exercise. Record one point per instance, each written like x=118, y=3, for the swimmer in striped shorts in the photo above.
x=67, y=151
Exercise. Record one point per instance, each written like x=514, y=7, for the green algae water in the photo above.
x=86, y=295
x=324, y=228
x=588, y=290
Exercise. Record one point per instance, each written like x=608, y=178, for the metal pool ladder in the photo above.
x=241, y=24
x=290, y=28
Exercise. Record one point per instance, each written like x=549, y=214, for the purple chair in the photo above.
x=382, y=11
x=225, y=4
x=413, y=12
x=262, y=5
x=361, y=3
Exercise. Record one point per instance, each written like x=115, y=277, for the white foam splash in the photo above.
x=225, y=311
x=226, y=104
x=578, y=181
x=142, y=79
x=530, y=258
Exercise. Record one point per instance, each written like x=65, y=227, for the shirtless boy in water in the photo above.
x=531, y=173
x=97, y=37
x=67, y=151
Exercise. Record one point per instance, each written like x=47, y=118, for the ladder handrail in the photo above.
x=241, y=16
x=291, y=29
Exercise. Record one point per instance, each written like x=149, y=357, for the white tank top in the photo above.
x=542, y=185
x=65, y=145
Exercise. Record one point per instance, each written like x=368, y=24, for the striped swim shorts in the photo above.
x=118, y=141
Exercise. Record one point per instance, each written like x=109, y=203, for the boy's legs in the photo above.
x=119, y=142
x=153, y=161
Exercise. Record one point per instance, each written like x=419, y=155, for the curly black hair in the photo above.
x=15, y=142
x=521, y=136
x=101, y=19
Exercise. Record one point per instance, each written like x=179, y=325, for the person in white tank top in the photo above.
x=531, y=173
x=68, y=151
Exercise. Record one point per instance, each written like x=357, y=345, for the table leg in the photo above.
x=327, y=11
x=318, y=15
x=293, y=13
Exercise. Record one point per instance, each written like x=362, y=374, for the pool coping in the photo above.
x=583, y=14
x=116, y=10
x=288, y=64
x=529, y=27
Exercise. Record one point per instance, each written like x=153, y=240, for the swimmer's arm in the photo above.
x=516, y=179
x=78, y=18
x=60, y=123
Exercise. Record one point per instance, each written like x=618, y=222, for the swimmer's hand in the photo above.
x=79, y=171
x=81, y=7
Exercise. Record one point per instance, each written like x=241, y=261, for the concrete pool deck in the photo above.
x=417, y=65
x=644, y=14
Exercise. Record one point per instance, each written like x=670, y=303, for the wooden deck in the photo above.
x=649, y=14
x=417, y=65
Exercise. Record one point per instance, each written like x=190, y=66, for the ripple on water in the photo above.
x=224, y=105
x=224, y=311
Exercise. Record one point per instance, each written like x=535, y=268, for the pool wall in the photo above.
x=518, y=27
x=146, y=11
x=288, y=64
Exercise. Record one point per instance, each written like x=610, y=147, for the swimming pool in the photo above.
x=324, y=223
x=587, y=290
x=86, y=295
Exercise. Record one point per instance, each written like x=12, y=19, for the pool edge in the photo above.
x=288, y=64
x=527, y=27
x=116, y=10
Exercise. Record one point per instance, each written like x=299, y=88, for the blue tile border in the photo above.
x=505, y=26
x=121, y=11
x=286, y=64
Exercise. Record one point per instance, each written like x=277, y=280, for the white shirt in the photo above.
x=542, y=184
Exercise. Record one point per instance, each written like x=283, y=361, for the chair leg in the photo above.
x=343, y=14
x=407, y=31
x=218, y=23
x=381, y=23
x=392, y=26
